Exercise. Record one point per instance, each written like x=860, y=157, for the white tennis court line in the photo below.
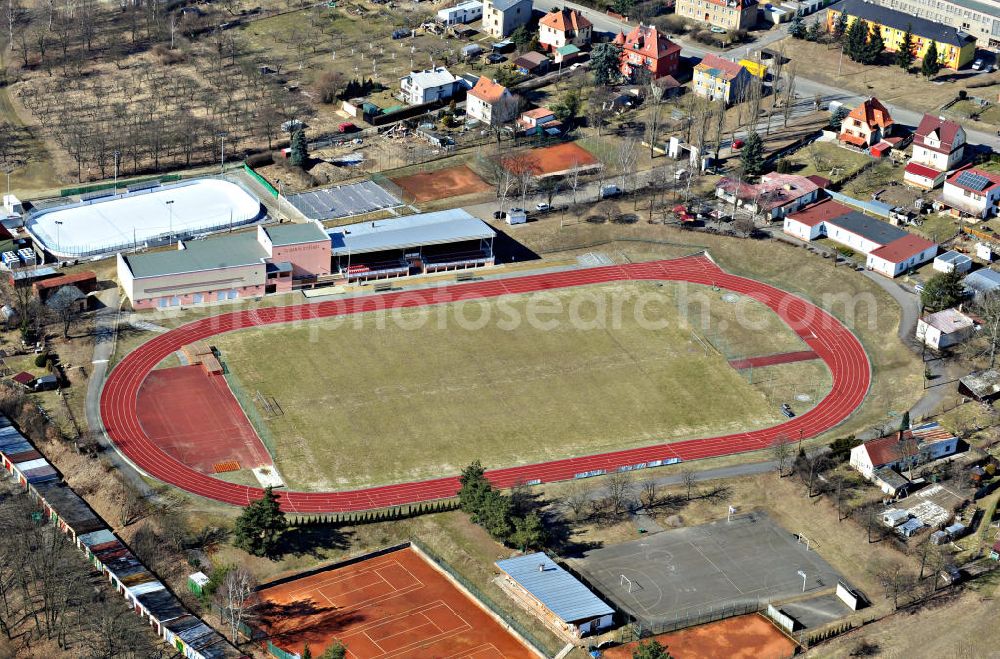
x=422, y=640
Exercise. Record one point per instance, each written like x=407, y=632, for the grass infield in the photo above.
x=375, y=399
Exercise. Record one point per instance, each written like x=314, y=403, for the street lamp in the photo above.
x=280, y=188
x=803, y=575
x=58, y=232
x=222, y=158
x=170, y=208
x=117, y=154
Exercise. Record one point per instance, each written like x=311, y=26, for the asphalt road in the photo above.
x=805, y=87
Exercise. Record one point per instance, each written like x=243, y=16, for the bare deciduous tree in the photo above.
x=238, y=599
x=648, y=494
x=618, y=493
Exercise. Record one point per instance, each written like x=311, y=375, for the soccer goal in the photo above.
x=631, y=584
x=803, y=540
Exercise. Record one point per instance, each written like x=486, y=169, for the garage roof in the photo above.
x=450, y=226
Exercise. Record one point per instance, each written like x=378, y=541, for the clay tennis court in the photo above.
x=441, y=184
x=394, y=605
x=194, y=417
x=561, y=159
x=743, y=637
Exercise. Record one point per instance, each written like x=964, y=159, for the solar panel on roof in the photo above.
x=973, y=181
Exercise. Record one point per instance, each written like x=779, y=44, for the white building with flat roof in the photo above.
x=428, y=85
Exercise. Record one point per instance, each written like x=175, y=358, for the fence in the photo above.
x=640, y=628
x=250, y=407
x=260, y=179
x=482, y=597
x=84, y=189
x=382, y=515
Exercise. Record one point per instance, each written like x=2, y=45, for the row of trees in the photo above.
x=503, y=517
x=863, y=43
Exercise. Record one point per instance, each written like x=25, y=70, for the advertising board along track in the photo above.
x=839, y=349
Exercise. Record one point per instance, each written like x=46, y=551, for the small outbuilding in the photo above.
x=952, y=261
x=945, y=328
x=982, y=386
x=894, y=517
x=910, y=527
x=556, y=596
x=981, y=283
x=532, y=63
x=24, y=379
x=955, y=531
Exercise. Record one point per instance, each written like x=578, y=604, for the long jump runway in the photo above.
x=824, y=334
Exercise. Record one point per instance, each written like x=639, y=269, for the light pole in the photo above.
x=117, y=153
x=222, y=157
x=170, y=208
x=803, y=575
x=280, y=188
x=58, y=232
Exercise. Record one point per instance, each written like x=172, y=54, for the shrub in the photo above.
x=673, y=24
x=785, y=166
x=41, y=359
x=260, y=160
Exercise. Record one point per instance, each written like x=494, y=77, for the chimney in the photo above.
x=541, y=567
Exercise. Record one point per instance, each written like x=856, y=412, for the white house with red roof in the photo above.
x=490, y=102
x=973, y=191
x=644, y=47
x=938, y=146
x=537, y=120
x=921, y=444
x=888, y=250
x=562, y=27
x=866, y=125
x=775, y=196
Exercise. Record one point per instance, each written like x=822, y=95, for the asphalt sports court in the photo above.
x=343, y=201
x=394, y=605
x=442, y=184
x=686, y=572
x=194, y=417
x=743, y=637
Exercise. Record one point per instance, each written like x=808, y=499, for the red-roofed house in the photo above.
x=563, y=27
x=900, y=255
x=922, y=176
x=720, y=79
x=490, y=102
x=537, y=120
x=938, y=143
x=775, y=196
x=644, y=47
x=932, y=442
x=867, y=124
x=24, y=379
x=974, y=192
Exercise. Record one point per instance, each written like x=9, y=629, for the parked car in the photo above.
x=347, y=127
x=610, y=192
x=680, y=174
x=495, y=58
x=543, y=207
x=499, y=215
x=977, y=65
x=401, y=33
x=738, y=144
x=787, y=410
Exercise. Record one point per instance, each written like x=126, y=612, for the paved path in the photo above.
x=835, y=345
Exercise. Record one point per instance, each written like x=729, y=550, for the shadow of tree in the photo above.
x=307, y=540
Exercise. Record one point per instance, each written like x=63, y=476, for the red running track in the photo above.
x=826, y=336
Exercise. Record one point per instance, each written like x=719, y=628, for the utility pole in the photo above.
x=117, y=153
x=170, y=208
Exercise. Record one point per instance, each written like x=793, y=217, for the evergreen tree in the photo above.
x=856, y=40
x=797, y=28
x=335, y=651
x=814, y=31
x=930, y=66
x=904, y=56
x=528, y=532
x=474, y=490
x=307, y=652
x=943, y=291
x=259, y=527
x=874, y=47
x=300, y=150
x=623, y=7
x=752, y=155
x=904, y=423
x=840, y=26
x=605, y=63
x=651, y=649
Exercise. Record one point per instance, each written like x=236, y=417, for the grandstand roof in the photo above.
x=557, y=589
x=442, y=227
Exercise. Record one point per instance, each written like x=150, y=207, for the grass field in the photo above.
x=365, y=404
x=828, y=160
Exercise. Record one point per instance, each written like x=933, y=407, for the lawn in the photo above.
x=828, y=160
x=420, y=393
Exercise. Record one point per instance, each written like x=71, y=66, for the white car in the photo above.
x=542, y=207
x=977, y=65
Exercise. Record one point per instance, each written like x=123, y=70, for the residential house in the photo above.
x=727, y=14
x=973, y=191
x=465, y=12
x=955, y=47
x=564, y=27
x=646, y=48
x=502, y=17
x=866, y=125
x=775, y=196
x=938, y=146
x=538, y=120
x=548, y=591
x=889, y=250
x=921, y=444
x=944, y=329
x=428, y=85
x=979, y=18
x=720, y=79
x=532, y=63
x=490, y=102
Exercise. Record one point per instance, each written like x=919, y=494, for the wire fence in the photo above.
x=640, y=628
